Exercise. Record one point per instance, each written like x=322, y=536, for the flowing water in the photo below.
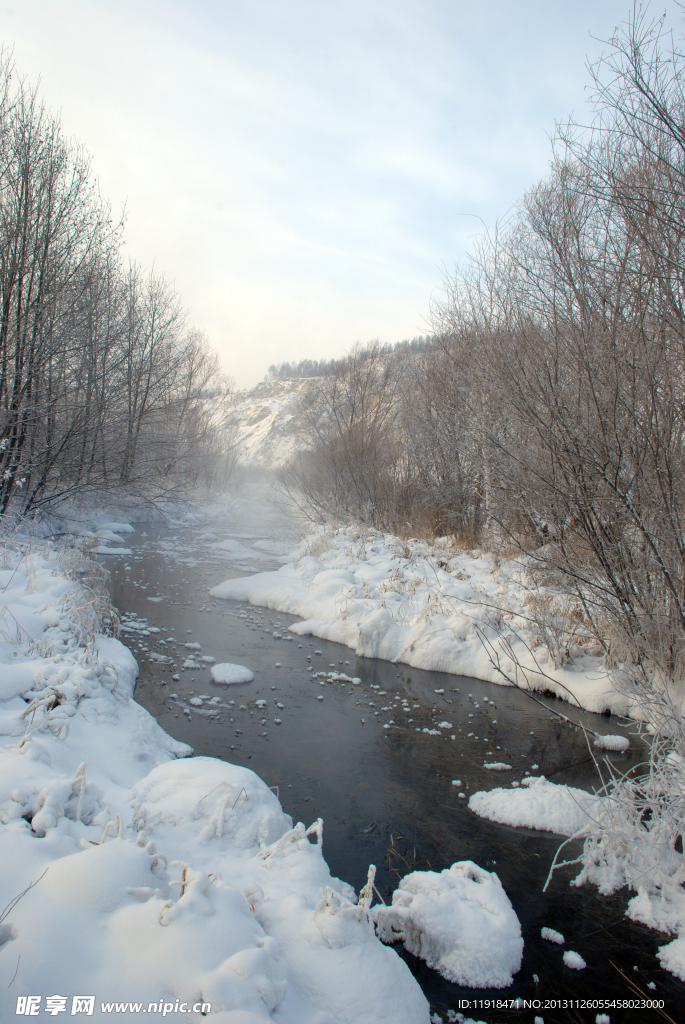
x=385, y=795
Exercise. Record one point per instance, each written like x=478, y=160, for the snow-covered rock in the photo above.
x=574, y=960
x=611, y=742
x=460, y=921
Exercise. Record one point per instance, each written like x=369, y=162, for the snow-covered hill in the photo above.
x=267, y=422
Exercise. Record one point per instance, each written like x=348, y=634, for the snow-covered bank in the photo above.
x=157, y=879
x=426, y=607
x=433, y=609
x=619, y=851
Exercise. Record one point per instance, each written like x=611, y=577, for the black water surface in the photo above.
x=386, y=795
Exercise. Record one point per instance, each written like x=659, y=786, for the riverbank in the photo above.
x=138, y=875
x=372, y=758
x=428, y=606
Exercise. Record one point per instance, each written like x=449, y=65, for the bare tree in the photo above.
x=101, y=383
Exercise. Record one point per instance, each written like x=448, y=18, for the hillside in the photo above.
x=267, y=422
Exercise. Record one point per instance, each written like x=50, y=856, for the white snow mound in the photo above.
x=611, y=742
x=230, y=674
x=460, y=921
x=672, y=957
x=541, y=805
x=574, y=960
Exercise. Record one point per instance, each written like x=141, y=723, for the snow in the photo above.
x=230, y=674
x=672, y=957
x=498, y=766
x=266, y=421
x=574, y=960
x=539, y=804
x=611, y=742
x=460, y=921
x=424, y=605
x=117, y=527
x=108, y=536
x=553, y=936
x=157, y=876
x=421, y=604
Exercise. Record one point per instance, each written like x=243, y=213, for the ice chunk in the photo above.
x=611, y=742
x=541, y=804
x=574, y=960
x=230, y=674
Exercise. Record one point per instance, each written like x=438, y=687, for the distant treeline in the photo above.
x=325, y=367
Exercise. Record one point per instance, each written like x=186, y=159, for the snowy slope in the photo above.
x=266, y=420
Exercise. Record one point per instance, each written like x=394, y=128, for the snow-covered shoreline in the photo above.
x=159, y=878
x=434, y=609
x=150, y=853
x=427, y=607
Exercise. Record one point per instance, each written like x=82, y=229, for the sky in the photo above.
x=307, y=171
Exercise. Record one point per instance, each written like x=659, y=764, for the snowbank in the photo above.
x=460, y=921
x=157, y=877
x=541, y=805
x=609, y=861
x=423, y=606
x=662, y=906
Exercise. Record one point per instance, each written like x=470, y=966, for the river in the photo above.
x=385, y=795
